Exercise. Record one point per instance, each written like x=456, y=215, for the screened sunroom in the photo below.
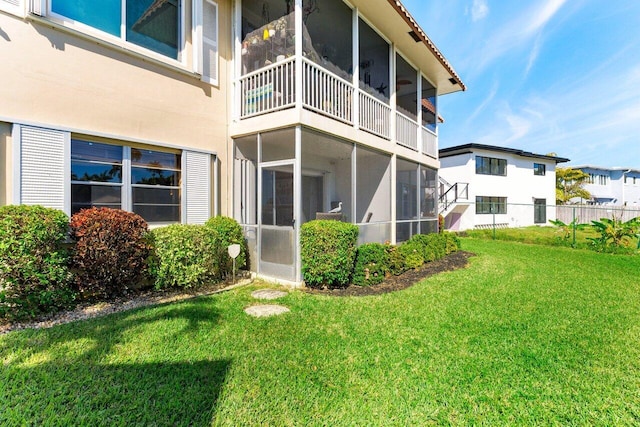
x=284, y=178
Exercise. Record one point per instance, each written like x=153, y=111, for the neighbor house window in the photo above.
x=491, y=166
x=146, y=182
x=152, y=24
x=539, y=169
x=491, y=205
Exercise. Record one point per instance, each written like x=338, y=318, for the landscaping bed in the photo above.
x=451, y=262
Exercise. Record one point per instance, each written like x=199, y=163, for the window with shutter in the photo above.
x=41, y=159
x=196, y=187
x=15, y=7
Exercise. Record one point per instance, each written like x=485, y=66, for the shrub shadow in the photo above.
x=173, y=394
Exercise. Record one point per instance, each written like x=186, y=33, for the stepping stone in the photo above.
x=266, y=310
x=268, y=294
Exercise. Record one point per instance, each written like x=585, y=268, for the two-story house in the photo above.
x=612, y=186
x=270, y=111
x=487, y=186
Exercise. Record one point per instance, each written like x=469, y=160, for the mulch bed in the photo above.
x=451, y=262
x=130, y=301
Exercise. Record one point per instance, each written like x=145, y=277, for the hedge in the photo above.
x=34, y=272
x=228, y=232
x=372, y=264
x=328, y=252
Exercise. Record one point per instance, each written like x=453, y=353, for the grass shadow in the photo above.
x=173, y=394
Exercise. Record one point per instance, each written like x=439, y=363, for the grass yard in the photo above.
x=526, y=335
x=545, y=235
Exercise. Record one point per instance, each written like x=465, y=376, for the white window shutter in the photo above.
x=15, y=7
x=196, y=172
x=210, y=41
x=42, y=167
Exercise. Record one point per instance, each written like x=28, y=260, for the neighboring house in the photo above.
x=612, y=186
x=484, y=185
x=268, y=111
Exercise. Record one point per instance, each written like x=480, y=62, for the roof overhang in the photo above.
x=394, y=21
x=471, y=148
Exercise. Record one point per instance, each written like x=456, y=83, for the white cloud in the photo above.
x=479, y=10
x=533, y=55
x=519, y=32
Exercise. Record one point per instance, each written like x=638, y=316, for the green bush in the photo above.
x=328, y=251
x=453, y=243
x=111, y=251
x=228, y=232
x=433, y=245
x=372, y=264
x=411, y=252
x=185, y=256
x=34, y=271
x=397, y=262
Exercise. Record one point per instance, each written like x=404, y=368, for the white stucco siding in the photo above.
x=521, y=187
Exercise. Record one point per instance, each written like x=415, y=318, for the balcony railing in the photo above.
x=273, y=88
x=406, y=131
x=269, y=89
x=374, y=116
x=429, y=143
x=326, y=93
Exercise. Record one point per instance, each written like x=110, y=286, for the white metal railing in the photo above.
x=406, y=131
x=326, y=93
x=268, y=89
x=429, y=143
x=374, y=116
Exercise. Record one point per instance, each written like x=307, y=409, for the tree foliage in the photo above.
x=570, y=184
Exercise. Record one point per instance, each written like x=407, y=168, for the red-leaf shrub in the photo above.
x=111, y=251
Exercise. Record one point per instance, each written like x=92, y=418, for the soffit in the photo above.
x=392, y=19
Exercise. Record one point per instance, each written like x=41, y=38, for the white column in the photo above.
x=394, y=218
x=419, y=100
x=392, y=92
x=298, y=55
x=297, y=200
x=356, y=70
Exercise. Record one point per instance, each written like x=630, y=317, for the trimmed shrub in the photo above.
x=397, y=262
x=228, y=232
x=185, y=256
x=372, y=264
x=111, y=251
x=411, y=252
x=433, y=245
x=34, y=272
x=453, y=243
x=328, y=251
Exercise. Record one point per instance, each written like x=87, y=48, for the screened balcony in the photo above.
x=322, y=56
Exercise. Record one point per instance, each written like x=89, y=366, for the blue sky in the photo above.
x=545, y=76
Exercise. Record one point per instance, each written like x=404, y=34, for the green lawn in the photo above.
x=546, y=235
x=526, y=335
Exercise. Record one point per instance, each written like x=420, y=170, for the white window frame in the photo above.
x=44, y=8
x=199, y=41
x=12, y=7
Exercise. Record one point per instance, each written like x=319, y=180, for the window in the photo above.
x=491, y=166
x=491, y=205
x=598, y=179
x=539, y=169
x=142, y=181
x=540, y=211
x=155, y=185
x=151, y=24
